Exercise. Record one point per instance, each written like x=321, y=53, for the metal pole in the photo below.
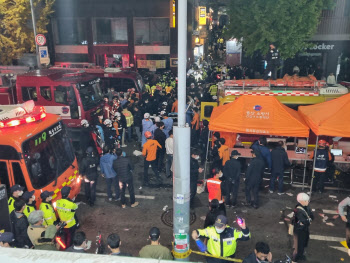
x=313, y=167
x=206, y=156
x=182, y=143
x=307, y=143
x=34, y=29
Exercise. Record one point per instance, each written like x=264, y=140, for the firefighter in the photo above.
x=16, y=193
x=29, y=198
x=215, y=189
x=45, y=206
x=149, y=151
x=66, y=209
x=89, y=172
x=224, y=152
x=222, y=239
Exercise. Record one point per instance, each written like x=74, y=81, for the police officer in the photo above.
x=16, y=193
x=222, y=239
x=29, y=198
x=45, y=206
x=66, y=209
x=232, y=174
x=272, y=59
x=89, y=172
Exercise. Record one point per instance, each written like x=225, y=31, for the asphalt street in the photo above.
x=269, y=223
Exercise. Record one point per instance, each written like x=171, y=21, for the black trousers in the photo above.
x=254, y=188
x=193, y=191
x=232, y=188
x=154, y=166
x=130, y=185
x=347, y=232
x=69, y=234
x=273, y=68
x=160, y=159
x=301, y=239
x=319, y=181
x=90, y=191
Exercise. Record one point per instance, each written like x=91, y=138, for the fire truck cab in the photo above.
x=35, y=151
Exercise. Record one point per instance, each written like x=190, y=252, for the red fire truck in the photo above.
x=72, y=95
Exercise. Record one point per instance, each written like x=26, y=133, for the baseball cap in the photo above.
x=16, y=187
x=45, y=194
x=154, y=233
x=27, y=195
x=65, y=190
x=6, y=237
x=234, y=153
x=35, y=217
x=220, y=221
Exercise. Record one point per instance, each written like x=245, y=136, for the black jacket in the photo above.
x=279, y=159
x=89, y=168
x=137, y=118
x=203, y=138
x=194, y=166
x=211, y=217
x=250, y=259
x=85, y=138
x=123, y=167
x=300, y=220
x=19, y=228
x=160, y=137
x=254, y=171
x=232, y=170
x=71, y=249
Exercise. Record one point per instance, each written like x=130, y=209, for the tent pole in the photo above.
x=307, y=143
x=206, y=156
x=313, y=168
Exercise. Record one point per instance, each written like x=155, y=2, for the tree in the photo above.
x=16, y=31
x=288, y=24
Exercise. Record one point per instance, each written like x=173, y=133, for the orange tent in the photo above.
x=258, y=115
x=329, y=118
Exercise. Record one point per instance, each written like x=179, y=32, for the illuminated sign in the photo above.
x=172, y=14
x=202, y=16
x=151, y=64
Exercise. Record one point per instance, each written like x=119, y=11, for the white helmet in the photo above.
x=146, y=115
x=117, y=114
x=84, y=123
x=165, y=103
x=157, y=119
x=107, y=122
x=162, y=113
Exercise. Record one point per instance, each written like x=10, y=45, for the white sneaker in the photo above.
x=280, y=193
x=271, y=192
x=110, y=199
x=124, y=145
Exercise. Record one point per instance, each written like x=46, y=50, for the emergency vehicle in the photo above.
x=291, y=91
x=35, y=151
x=72, y=95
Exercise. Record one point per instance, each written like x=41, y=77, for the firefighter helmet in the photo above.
x=84, y=123
x=148, y=134
x=146, y=115
x=322, y=143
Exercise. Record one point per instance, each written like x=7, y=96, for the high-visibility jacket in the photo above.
x=11, y=203
x=213, y=90
x=28, y=209
x=66, y=211
x=224, y=154
x=195, y=121
x=148, y=88
x=227, y=239
x=168, y=89
x=150, y=149
x=214, y=189
x=129, y=118
x=153, y=88
x=49, y=214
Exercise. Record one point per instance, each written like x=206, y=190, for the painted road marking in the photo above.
x=327, y=238
x=343, y=249
x=150, y=197
x=332, y=212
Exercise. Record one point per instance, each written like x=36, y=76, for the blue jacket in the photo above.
x=168, y=125
x=106, y=165
x=265, y=153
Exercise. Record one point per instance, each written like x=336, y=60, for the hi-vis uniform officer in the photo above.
x=213, y=90
x=29, y=198
x=222, y=239
x=45, y=206
x=16, y=193
x=66, y=211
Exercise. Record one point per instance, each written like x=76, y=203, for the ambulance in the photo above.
x=35, y=151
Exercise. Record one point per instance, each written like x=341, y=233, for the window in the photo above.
x=90, y=94
x=45, y=92
x=61, y=95
x=110, y=30
x=70, y=31
x=4, y=176
x=207, y=111
x=151, y=31
x=29, y=93
x=128, y=84
x=122, y=84
x=18, y=174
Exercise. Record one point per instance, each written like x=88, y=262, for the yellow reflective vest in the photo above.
x=213, y=90
x=66, y=211
x=28, y=210
x=49, y=214
x=129, y=118
x=11, y=203
x=228, y=239
x=148, y=88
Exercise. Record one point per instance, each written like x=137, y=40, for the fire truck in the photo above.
x=291, y=90
x=73, y=95
x=35, y=151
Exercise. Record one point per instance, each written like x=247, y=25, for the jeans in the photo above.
x=274, y=176
x=113, y=182
x=169, y=162
x=90, y=191
x=319, y=181
x=130, y=185
x=232, y=187
x=138, y=133
x=154, y=168
x=255, y=190
x=129, y=129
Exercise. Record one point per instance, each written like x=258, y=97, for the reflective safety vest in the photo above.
x=148, y=88
x=27, y=211
x=213, y=90
x=49, y=214
x=11, y=203
x=129, y=118
x=228, y=239
x=66, y=211
x=214, y=189
x=153, y=88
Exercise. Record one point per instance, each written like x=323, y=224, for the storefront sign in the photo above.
x=322, y=46
x=151, y=64
x=202, y=20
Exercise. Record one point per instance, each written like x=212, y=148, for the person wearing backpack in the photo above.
x=301, y=221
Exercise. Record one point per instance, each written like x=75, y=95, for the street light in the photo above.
x=34, y=29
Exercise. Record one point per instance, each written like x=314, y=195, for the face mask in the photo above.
x=50, y=198
x=197, y=158
x=220, y=174
x=20, y=193
x=33, y=197
x=219, y=231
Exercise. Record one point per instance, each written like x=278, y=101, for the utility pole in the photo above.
x=34, y=29
x=182, y=142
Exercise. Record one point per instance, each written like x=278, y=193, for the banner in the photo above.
x=151, y=64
